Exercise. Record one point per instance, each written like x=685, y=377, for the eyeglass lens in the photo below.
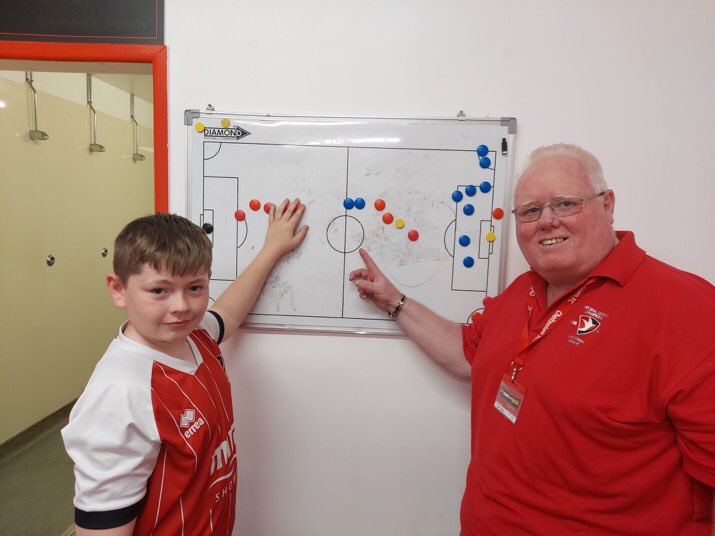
x=565, y=206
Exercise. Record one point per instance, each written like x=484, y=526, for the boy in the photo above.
x=152, y=436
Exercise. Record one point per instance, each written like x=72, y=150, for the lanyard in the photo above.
x=554, y=319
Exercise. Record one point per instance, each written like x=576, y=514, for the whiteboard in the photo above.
x=428, y=173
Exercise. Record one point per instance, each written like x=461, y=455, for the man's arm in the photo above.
x=124, y=530
x=238, y=299
x=438, y=337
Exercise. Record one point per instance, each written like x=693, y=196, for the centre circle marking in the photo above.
x=345, y=234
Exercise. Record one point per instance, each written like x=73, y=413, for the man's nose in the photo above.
x=548, y=219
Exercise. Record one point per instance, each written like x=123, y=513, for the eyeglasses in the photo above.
x=560, y=206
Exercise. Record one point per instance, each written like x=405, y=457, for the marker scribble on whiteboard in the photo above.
x=279, y=292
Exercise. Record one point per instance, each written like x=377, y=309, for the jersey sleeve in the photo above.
x=691, y=409
x=213, y=324
x=114, y=442
x=471, y=335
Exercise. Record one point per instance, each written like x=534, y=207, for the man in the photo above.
x=593, y=374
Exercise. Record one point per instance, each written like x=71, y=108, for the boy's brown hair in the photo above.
x=164, y=242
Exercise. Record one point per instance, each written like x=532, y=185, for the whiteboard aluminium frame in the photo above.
x=509, y=122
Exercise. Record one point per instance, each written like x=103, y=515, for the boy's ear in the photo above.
x=116, y=290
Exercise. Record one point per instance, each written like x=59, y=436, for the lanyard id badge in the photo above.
x=511, y=393
x=510, y=396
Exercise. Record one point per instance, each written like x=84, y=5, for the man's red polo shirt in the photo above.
x=616, y=433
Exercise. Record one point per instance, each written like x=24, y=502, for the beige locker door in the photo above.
x=58, y=199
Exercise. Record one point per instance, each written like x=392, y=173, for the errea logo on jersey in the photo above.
x=186, y=419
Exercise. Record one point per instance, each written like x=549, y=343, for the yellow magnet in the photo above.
x=225, y=123
x=399, y=223
x=491, y=237
x=199, y=127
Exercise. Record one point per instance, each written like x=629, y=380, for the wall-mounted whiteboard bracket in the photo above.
x=189, y=116
x=509, y=122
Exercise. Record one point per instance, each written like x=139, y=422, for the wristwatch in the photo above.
x=396, y=311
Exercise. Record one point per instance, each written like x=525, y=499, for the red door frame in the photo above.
x=90, y=52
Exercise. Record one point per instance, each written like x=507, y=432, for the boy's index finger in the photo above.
x=282, y=208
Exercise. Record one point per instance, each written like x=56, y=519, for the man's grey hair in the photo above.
x=592, y=166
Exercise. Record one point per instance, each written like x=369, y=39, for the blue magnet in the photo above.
x=348, y=203
x=485, y=162
x=468, y=262
x=482, y=150
x=468, y=209
x=470, y=190
x=457, y=196
x=485, y=187
x=464, y=240
x=360, y=203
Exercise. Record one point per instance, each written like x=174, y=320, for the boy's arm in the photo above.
x=124, y=530
x=113, y=440
x=238, y=299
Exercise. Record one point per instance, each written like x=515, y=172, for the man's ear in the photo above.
x=116, y=290
x=609, y=202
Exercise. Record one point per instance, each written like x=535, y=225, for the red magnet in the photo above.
x=413, y=235
x=498, y=213
x=486, y=300
x=255, y=204
x=239, y=215
x=387, y=218
x=267, y=208
x=475, y=316
x=380, y=204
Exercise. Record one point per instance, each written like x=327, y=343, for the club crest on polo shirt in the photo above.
x=188, y=420
x=586, y=324
x=589, y=321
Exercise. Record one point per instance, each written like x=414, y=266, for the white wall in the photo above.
x=358, y=435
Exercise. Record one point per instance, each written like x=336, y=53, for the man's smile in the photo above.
x=552, y=241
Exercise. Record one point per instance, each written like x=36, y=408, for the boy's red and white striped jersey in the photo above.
x=153, y=436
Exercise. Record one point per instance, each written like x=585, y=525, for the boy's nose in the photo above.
x=179, y=302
